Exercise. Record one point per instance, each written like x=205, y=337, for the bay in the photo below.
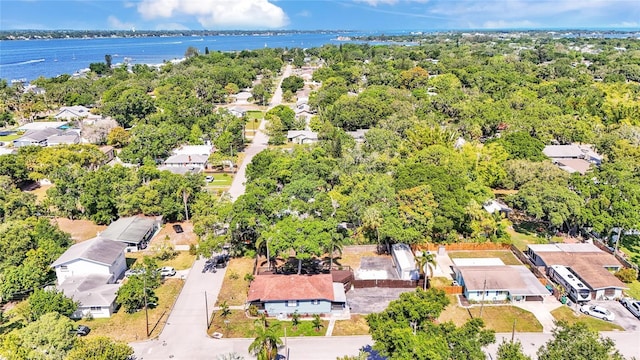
x=30, y=59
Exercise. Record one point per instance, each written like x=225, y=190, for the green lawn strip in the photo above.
x=501, y=318
x=506, y=256
x=565, y=313
x=221, y=180
x=238, y=325
x=634, y=289
x=7, y=138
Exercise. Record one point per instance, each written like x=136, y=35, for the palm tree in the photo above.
x=371, y=221
x=295, y=319
x=317, y=322
x=265, y=345
x=428, y=260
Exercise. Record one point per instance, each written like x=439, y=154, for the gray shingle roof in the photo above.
x=131, y=229
x=91, y=290
x=98, y=250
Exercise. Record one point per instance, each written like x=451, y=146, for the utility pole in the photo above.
x=206, y=308
x=146, y=307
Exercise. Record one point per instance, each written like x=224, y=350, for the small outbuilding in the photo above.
x=134, y=231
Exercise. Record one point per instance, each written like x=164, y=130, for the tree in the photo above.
x=577, y=341
x=292, y=83
x=265, y=345
x=118, y=137
x=49, y=338
x=191, y=52
x=46, y=301
x=295, y=319
x=426, y=259
x=407, y=330
x=107, y=61
x=511, y=351
x=316, y=322
x=100, y=348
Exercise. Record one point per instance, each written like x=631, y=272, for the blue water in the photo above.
x=29, y=59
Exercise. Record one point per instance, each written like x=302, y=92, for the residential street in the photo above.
x=258, y=144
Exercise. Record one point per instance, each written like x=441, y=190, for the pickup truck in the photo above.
x=632, y=305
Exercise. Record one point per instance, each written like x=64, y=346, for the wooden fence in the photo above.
x=606, y=249
x=387, y=283
x=462, y=246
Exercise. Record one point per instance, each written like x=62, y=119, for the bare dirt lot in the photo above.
x=187, y=237
x=80, y=230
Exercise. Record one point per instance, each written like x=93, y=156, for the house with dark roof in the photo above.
x=87, y=272
x=593, y=266
x=306, y=294
x=134, y=231
x=36, y=137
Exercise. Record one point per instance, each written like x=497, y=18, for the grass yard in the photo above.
x=221, y=180
x=238, y=325
x=357, y=325
x=7, y=138
x=506, y=256
x=565, y=313
x=234, y=286
x=182, y=261
x=501, y=318
x=40, y=192
x=437, y=282
x=351, y=257
x=457, y=314
x=527, y=233
x=634, y=289
x=131, y=327
x=80, y=230
x=254, y=115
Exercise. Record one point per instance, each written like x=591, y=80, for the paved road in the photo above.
x=186, y=328
x=258, y=144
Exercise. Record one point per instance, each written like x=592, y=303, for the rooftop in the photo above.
x=591, y=267
x=291, y=287
x=516, y=279
x=40, y=125
x=97, y=250
x=91, y=290
x=129, y=229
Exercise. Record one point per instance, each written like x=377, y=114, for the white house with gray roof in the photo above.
x=134, y=231
x=87, y=272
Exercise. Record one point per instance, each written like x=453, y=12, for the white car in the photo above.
x=167, y=271
x=598, y=311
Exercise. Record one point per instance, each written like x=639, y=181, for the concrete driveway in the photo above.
x=624, y=317
x=370, y=300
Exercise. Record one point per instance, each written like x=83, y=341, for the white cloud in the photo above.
x=237, y=14
x=116, y=24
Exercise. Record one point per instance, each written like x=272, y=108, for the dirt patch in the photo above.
x=80, y=230
x=186, y=237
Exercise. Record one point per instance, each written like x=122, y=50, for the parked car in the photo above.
x=132, y=272
x=83, y=330
x=632, y=305
x=167, y=271
x=178, y=228
x=598, y=312
x=208, y=178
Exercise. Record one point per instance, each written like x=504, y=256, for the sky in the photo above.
x=365, y=15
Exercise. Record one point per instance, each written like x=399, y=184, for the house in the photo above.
x=72, y=112
x=187, y=161
x=286, y=294
x=573, y=157
x=109, y=152
x=492, y=206
x=489, y=281
x=237, y=112
x=36, y=137
x=302, y=136
x=134, y=231
x=41, y=125
x=66, y=138
x=87, y=272
x=405, y=262
x=592, y=265
x=358, y=135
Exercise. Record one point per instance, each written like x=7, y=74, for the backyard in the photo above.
x=506, y=256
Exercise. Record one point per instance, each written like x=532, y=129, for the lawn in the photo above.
x=131, y=327
x=40, y=192
x=254, y=115
x=525, y=233
x=182, y=261
x=634, y=289
x=234, y=286
x=238, y=325
x=565, y=313
x=506, y=256
x=499, y=318
x=221, y=180
x=80, y=230
x=357, y=325
x=7, y=138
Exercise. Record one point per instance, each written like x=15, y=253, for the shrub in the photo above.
x=234, y=275
x=627, y=275
x=192, y=249
x=248, y=277
x=253, y=310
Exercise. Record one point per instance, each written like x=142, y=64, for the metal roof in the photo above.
x=131, y=229
x=97, y=250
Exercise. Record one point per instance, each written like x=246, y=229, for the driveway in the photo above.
x=370, y=300
x=624, y=317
